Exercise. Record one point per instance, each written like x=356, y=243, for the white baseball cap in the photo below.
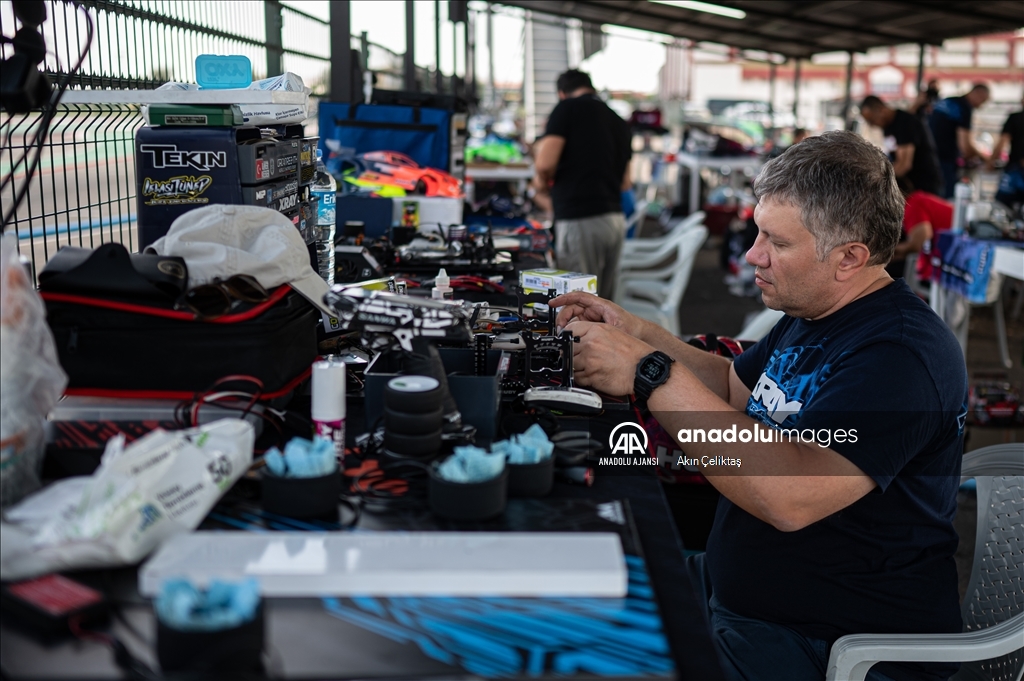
x=220, y=241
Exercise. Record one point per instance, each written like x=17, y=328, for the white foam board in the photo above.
x=315, y=564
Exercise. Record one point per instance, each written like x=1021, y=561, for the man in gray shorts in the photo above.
x=583, y=159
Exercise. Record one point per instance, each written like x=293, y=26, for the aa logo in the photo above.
x=628, y=439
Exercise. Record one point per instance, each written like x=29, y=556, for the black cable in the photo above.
x=42, y=133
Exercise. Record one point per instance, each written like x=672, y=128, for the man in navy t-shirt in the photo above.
x=836, y=441
x=950, y=122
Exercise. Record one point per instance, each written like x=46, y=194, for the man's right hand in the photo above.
x=590, y=308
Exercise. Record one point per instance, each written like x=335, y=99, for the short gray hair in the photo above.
x=845, y=189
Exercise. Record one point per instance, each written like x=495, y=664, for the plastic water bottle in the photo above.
x=962, y=194
x=325, y=189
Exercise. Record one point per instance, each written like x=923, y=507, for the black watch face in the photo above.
x=652, y=369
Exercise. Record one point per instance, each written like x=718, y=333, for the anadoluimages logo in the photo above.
x=628, y=439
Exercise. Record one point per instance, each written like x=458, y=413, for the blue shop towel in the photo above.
x=224, y=605
x=303, y=458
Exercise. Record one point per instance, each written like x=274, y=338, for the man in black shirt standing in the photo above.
x=951, y=128
x=583, y=160
x=1011, y=184
x=908, y=142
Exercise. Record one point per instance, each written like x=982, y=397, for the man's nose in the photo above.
x=758, y=255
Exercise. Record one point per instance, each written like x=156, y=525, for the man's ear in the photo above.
x=851, y=258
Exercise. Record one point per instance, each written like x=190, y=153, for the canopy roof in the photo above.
x=801, y=28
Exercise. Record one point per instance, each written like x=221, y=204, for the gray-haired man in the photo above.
x=848, y=530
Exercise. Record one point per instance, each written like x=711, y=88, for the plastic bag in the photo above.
x=161, y=485
x=261, y=114
x=31, y=380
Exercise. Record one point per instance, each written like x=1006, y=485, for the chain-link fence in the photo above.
x=83, y=192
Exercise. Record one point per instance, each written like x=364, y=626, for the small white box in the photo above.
x=562, y=281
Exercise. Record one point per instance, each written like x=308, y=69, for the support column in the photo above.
x=341, y=52
x=438, y=76
x=796, y=93
x=920, y=68
x=847, y=123
x=275, y=43
x=409, y=63
x=492, y=101
x=470, y=25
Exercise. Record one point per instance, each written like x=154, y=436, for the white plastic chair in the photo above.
x=636, y=219
x=910, y=276
x=654, y=293
x=639, y=253
x=758, y=327
x=993, y=609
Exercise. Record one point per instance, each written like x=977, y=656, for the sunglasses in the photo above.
x=216, y=299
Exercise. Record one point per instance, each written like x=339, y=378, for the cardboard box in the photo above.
x=562, y=281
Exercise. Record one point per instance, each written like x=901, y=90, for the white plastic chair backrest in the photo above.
x=760, y=325
x=910, y=275
x=646, y=253
x=996, y=590
x=677, y=226
x=639, y=212
x=685, y=257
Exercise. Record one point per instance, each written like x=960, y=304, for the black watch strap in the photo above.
x=651, y=372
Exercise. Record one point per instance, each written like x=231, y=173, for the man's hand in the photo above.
x=605, y=359
x=582, y=306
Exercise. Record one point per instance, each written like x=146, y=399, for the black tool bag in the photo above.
x=124, y=348
x=110, y=271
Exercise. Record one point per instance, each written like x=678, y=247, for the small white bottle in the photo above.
x=442, y=287
x=328, y=408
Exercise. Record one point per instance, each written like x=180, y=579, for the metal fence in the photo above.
x=83, y=193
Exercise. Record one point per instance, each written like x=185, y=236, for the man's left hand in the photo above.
x=605, y=359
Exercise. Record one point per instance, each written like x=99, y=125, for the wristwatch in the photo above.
x=651, y=372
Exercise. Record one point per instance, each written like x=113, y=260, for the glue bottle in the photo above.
x=328, y=408
x=442, y=287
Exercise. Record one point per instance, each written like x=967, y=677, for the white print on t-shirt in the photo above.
x=889, y=144
x=774, y=400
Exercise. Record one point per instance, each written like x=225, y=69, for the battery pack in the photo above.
x=46, y=605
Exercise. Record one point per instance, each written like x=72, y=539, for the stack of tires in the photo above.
x=413, y=415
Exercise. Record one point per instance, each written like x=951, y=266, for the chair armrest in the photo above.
x=852, y=656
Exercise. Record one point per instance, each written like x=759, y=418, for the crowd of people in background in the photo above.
x=582, y=164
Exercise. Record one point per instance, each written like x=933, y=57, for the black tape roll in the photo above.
x=418, y=446
x=405, y=423
x=468, y=501
x=238, y=649
x=413, y=394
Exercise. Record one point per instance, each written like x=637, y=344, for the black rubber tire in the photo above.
x=413, y=401
x=419, y=446
x=405, y=423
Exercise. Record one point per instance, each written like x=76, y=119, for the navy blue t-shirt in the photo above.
x=948, y=115
x=888, y=368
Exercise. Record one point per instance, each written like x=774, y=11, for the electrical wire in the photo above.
x=43, y=131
